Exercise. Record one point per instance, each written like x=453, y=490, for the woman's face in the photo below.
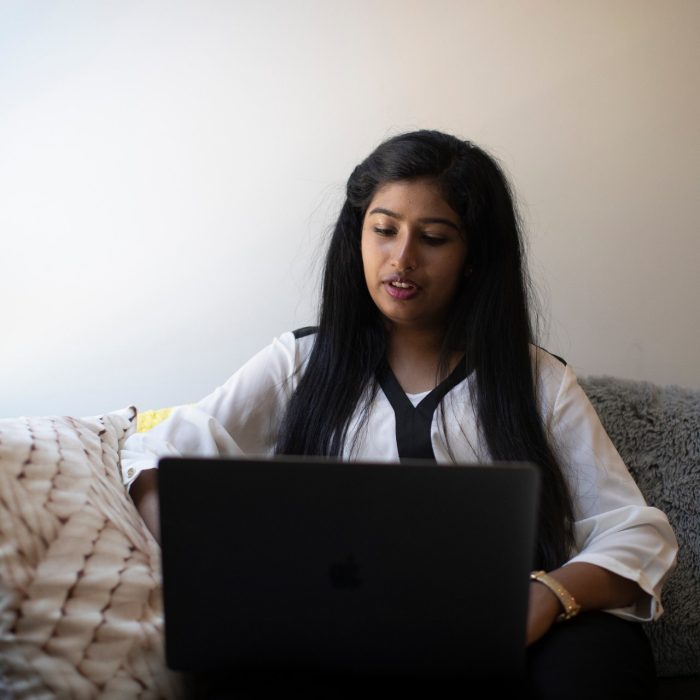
x=414, y=252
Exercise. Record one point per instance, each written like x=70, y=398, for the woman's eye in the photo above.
x=383, y=231
x=435, y=240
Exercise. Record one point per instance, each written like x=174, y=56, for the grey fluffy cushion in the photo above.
x=656, y=430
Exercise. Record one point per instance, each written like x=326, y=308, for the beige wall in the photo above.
x=168, y=173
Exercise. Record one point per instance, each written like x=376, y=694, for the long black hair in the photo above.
x=490, y=321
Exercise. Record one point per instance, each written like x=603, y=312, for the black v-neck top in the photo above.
x=413, y=423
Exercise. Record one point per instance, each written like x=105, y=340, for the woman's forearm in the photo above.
x=593, y=587
x=596, y=588
x=144, y=493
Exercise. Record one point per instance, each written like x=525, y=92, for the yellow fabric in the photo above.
x=149, y=419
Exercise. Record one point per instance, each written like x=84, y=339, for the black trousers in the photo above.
x=595, y=656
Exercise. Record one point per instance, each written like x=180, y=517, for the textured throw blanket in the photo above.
x=80, y=597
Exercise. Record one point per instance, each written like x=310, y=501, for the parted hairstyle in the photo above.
x=489, y=320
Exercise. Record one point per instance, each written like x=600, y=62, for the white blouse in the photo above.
x=614, y=527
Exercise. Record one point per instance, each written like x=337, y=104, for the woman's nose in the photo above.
x=404, y=254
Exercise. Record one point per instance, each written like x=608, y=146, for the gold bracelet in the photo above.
x=571, y=607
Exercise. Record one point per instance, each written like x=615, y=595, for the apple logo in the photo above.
x=345, y=574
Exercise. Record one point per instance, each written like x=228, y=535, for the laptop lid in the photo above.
x=310, y=565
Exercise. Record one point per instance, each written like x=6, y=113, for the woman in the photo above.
x=424, y=348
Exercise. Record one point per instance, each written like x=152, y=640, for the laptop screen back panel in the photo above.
x=358, y=569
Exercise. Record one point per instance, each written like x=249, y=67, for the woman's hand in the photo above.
x=543, y=609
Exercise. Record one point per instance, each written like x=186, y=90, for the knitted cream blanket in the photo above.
x=80, y=597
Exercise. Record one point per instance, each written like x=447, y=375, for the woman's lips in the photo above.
x=401, y=289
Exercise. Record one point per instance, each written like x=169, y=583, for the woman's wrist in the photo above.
x=543, y=609
x=545, y=600
x=570, y=607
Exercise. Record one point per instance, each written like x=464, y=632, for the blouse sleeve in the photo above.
x=240, y=417
x=614, y=527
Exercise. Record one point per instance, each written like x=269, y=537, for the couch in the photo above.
x=656, y=429
x=80, y=597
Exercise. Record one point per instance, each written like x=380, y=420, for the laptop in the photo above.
x=287, y=566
